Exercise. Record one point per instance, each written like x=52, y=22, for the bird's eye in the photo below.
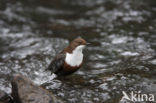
x=79, y=42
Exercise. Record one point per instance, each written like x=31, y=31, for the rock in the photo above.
x=25, y=91
x=4, y=98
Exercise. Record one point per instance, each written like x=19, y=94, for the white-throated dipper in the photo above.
x=70, y=59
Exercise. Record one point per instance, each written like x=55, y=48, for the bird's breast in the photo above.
x=74, y=59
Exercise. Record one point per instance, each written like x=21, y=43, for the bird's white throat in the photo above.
x=76, y=57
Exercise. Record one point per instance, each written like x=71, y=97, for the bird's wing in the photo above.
x=57, y=63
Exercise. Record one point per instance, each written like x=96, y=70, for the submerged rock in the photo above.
x=4, y=98
x=25, y=91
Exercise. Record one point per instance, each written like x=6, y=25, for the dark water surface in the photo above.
x=122, y=56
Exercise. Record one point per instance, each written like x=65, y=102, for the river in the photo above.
x=121, y=57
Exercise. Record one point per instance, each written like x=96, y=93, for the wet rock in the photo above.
x=25, y=91
x=4, y=98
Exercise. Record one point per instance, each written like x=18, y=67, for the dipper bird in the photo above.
x=70, y=59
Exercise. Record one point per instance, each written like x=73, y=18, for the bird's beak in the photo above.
x=88, y=43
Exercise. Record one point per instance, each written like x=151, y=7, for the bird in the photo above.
x=70, y=59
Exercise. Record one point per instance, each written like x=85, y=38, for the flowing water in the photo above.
x=121, y=57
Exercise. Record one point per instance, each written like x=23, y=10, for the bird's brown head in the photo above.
x=78, y=42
